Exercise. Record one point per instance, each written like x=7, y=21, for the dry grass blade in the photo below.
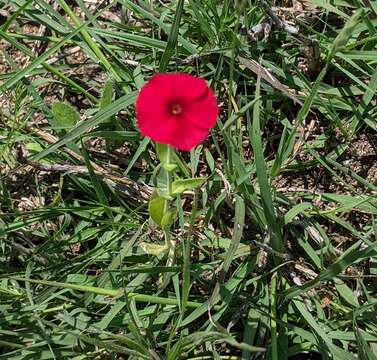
x=258, y=69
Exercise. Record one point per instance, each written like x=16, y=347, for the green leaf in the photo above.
x=79, y=287
x=111, y=123
x=179, y=186
x=97, y=184
x=168, y=218
x=65, y=115
x=107, y=94
x=346, y=293
x=153, y=249
x=297, y=209
x=263, y=180
x=156, y=209
x=169, y=167
x=239, y=222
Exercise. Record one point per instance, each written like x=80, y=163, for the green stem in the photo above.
x=170, y=244
x=168, y=191
x=113, y=293
x=168, y=173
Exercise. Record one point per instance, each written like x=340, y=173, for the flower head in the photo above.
x=176, y=109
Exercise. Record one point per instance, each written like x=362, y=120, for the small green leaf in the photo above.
x=153, y=249
x=111, y=123
x=34, y=147
x=210, y=160
x=179, y=186
x=164, y=154
x=156, y=209
x=65, y=115
x=107, y=97
x=107, y=94
x=168, y=218
x=169, y=167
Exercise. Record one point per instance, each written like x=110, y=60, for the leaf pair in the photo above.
x=158, y=205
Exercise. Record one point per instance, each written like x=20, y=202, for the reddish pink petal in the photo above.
x=188, y=88
x=155, y=95
x=174, y=131
x=157, y=126
x=203, y=114
x=188, y=137
x=151, y=109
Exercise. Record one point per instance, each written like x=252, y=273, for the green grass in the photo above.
x=276, y=253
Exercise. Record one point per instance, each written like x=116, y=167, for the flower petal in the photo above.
x=157, y=126
x=188, y=88
x=154, y=95
x=203, y=114
x=188, y=137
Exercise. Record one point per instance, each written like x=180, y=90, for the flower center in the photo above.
x=175, y=109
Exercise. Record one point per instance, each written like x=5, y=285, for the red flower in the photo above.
x=176, y=109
